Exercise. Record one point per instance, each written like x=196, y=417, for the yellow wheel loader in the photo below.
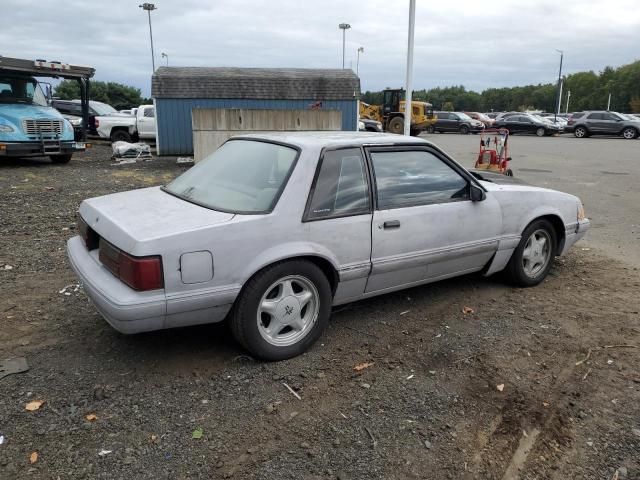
x=391, y=113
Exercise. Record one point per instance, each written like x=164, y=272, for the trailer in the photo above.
x=29, y=126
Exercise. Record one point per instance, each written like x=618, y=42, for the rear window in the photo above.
x=577, y=115
x=242, y=176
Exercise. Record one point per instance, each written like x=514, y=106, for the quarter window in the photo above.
x=340, y=188
x=415, y=178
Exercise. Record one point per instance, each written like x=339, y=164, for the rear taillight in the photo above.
x=97, y=123
x=140, y=273
x=89, y=235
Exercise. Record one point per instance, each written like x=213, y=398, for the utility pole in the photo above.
x=149, y=7
x=609, y=102
x=344, y=27
x=568, y=98
x=409, y=91
x=360, y=50
x=555, y=114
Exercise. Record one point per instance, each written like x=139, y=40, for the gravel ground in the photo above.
x=539, y=383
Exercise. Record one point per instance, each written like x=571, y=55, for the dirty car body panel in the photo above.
x=395, y=235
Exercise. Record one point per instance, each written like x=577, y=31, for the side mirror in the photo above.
x=476, y=193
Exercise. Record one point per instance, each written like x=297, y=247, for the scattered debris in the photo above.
x=374, y=442
x=197, y=433
x=361, y=366
x=545, y=404
x=500, y=387
x=65, y=290
x=49, y=188
x=130, y=151
x=365, y=386
x=586, y=374
x=585, y=358
x=410, y=376
x=295, y=394
x=609, y=362
x=7, y=267
x=91, y=417
x=33, y=458
x=104, y=452
x=405, y=312
x=34, y=405
x=467, y=310
x=184, y=160
x=13, y=365
x=428, y=444
x=2, y=439
x=636, y=431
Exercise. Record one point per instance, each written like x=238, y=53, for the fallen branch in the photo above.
x=295, y=394
x=586, y=374
x=584, y=359
x=621, y=346
x=373, y=440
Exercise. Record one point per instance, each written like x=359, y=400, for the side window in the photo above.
x=341, y=187
x=611, y=116
x=415, y=178
x=149, y=112
x=595, y=116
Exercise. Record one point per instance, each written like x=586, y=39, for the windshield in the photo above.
x=463, y=116
x=242, y=176
x=103, y=108
x=21, y=90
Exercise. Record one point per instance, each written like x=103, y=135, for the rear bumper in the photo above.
x=126, y=310
x=36, y=149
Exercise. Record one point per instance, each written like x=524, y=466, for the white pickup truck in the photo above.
x=141, y=124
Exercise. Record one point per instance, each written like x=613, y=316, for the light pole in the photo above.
x=360, y=50
x=164, y=55
x=568, y=98
x=557, y=110
x=609, y=102
x=409, y=94
x=149, y=7
x=344, y=27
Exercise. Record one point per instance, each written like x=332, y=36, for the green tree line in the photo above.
x=117, y=95
x=589, y=91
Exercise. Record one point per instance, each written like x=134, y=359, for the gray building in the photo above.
x=178, y=90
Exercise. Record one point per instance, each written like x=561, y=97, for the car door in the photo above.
x=454, y=122
x=338, y=217
x=425, y=226
x=595, y=122
x=147, y=123
x=611, y=123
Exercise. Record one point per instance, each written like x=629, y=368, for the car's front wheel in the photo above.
x=629, y=133
x=580, y=132
x=532, y=259
x=464, y=130
x=540, y=132
x=282, y=310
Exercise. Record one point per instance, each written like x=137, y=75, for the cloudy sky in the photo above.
x=474, y=43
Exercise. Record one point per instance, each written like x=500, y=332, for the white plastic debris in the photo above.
x=186, y=160
x=1, y=439
x=8, y=267
x=131, y=150
x=103, y=452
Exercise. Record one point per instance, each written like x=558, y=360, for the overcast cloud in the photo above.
x=473, y=43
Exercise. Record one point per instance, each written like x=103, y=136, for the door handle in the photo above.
x=391, y=224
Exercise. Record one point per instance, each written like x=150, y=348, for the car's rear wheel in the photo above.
x=396, y=125
x=66, y=158
x=580, y=132
x=629, y=133
x=282, y=310
x=464, y=130
x=532, y=259
x=431, y=129
x=540, y=132
x=120, y=136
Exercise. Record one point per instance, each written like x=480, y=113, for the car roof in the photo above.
x=334, y=138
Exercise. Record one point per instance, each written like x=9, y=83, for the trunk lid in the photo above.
x=133, y=220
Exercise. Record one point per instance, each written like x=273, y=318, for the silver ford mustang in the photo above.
x=272, y=230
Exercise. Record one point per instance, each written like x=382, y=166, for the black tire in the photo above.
x=464, y=130
x=541, y=132
x=515, y=271
x=414, y=132
x=580, y=132
x=243, y=318
x=396, y=125
x=508, y=172
x=66, y=158
x=120, y=136
x=629, y=133
x=431, y=129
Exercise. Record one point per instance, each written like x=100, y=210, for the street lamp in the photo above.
x=557, y=111
x=164, y=55
x=360, y=50
x=343, y=27
x=149, y=7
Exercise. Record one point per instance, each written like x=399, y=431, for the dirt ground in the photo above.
x=539, y=383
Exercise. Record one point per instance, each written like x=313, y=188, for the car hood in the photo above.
x=16, y=112
x=135, y=220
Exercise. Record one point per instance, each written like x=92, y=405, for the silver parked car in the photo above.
x=272, y=230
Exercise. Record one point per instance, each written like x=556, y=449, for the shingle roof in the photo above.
x=255, y=83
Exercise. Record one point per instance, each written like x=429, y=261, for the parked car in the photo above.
x=602, y=122
x=492, y=115
x=128, y=128
x=558, y=119
x=481, y=117
x=455, y=122
x=73, y=109
x=272, y=230
x=368, y=125
x=526, y=123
